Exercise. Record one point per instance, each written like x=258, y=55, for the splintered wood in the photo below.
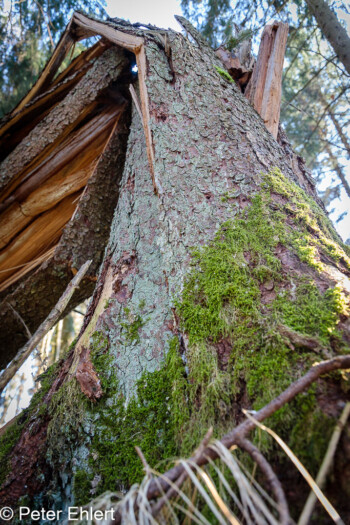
x=265, y=86
x=36, y=212
x=51, y=147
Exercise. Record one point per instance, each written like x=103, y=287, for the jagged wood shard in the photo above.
x=265, y=86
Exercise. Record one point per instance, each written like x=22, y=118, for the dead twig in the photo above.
x=172, y=491
x=306, y=475
x=45, y=326
x=271, y=478
x=294, y=339
x=21, y=320
x=146, y=466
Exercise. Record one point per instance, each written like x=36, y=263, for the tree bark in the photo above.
x=332, y=30
x=215, y=166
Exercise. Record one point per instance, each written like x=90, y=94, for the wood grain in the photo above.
x=265, y=86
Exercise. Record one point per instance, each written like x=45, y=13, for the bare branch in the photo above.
x=21, y=320
x=315, y=75
x=343, y=90
x=332, y=29
x=49, y=322
x=271, y=478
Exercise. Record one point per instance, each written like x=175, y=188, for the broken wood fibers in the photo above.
x=40, y=192
x=38, y=209
x=265, y=86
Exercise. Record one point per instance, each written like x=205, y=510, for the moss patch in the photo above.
x=315, y=233
x=150, y=420
x=224, y=74
x=222, y=303
x=82, y=487
x=7, y=442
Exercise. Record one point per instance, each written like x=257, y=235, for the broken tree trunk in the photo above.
x=64, y=173
x=214, y=292
x=265, y=86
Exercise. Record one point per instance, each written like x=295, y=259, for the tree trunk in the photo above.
x=337, y=168
x=199, y=294
x=332, y=30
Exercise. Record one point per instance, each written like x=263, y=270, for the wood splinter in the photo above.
x=264, y=89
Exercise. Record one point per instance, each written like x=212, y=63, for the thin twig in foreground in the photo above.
x=21, y=320
x=326, y=463
x=303, y=471
x=172, y=491
x=271, y=478
x=45, y=326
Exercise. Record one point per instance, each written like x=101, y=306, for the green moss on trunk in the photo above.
x=150, y=420
x=221, y=302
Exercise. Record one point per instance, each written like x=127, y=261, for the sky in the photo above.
x=157, y=12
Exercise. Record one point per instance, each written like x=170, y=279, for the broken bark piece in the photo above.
x=87, y=378
x=265, y=86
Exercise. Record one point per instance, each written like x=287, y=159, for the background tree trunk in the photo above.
x=167, y=348
x=332, y=29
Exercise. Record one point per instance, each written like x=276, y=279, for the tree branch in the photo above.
x=332, y=30
x=271, y=478
x=49, y=322
x=325, y=112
